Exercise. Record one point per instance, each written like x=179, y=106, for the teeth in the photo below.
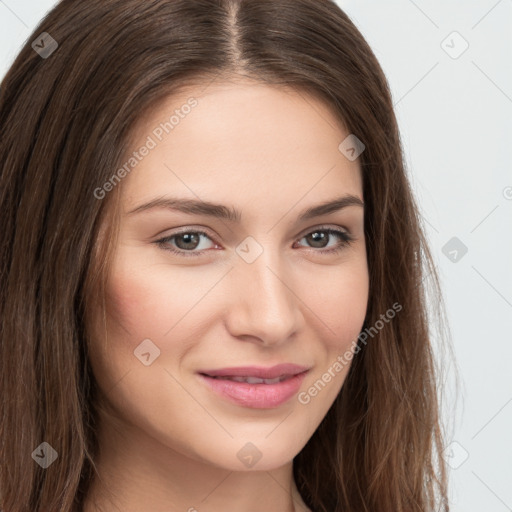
x=255, y=380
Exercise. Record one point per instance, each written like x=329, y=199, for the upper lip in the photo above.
x=260, y=372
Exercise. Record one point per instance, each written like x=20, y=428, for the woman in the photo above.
x=211, y=267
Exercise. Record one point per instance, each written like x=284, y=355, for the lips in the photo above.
x=256, y=387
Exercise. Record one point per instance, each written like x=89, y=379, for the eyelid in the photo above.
x=322, y=227
x=189, y=228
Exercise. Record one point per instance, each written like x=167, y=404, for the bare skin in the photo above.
x=270, y=153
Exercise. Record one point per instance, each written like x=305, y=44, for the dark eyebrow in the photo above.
x=220, y=211
x=331, y=207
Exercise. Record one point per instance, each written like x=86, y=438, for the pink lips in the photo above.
x=258, y=395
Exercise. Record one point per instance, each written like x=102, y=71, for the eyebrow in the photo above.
x=231, y=214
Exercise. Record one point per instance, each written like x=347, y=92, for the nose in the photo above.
x=263, y=306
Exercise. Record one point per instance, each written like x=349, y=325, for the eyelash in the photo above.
x=346, y=240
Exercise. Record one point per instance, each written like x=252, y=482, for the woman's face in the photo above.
x=260, y=289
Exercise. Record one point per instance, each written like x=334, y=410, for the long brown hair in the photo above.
x=65, y=121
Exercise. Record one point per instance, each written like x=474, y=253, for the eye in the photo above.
x=185, y=243
x=320, y=238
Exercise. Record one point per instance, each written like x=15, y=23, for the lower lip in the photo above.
x=257, y=396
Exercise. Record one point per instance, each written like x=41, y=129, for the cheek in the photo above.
x=151, y=301
x=340, y=308
x=142, y=303
x=130, y=301
x=147, y=301
x=339, y=301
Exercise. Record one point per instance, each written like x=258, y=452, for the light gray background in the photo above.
x=455, y=116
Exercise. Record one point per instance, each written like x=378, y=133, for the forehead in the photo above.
x=250, y=140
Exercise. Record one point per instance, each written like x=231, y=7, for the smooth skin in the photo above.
x=271, y=153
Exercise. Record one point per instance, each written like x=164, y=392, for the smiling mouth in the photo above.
x=255, y=392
